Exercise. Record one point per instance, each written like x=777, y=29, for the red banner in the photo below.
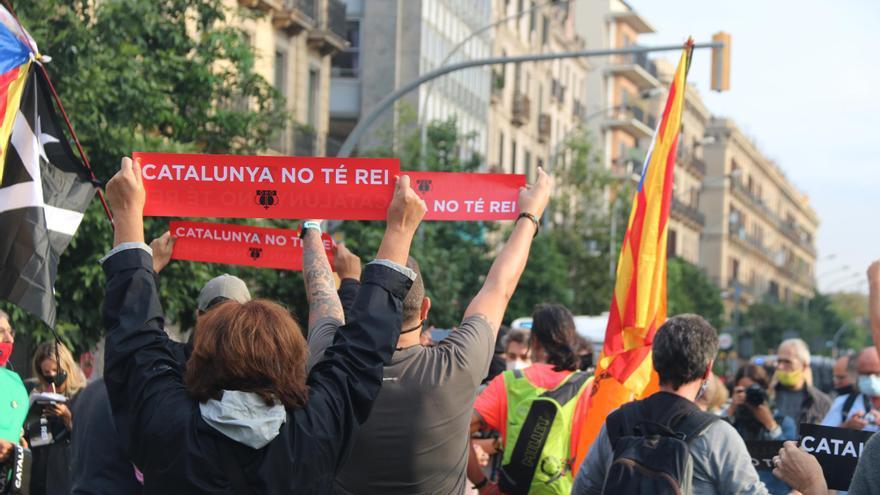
x=467, y=196
x=240, y=245
x=230, y=186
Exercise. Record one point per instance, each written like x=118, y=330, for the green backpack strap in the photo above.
x=515, y=477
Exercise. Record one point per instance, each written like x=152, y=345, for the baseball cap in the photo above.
x=225, y=286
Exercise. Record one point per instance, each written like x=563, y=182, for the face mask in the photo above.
x=518, y=364
x=845, y=390
x=5, y=353
x=869, y=385
x=789, y=378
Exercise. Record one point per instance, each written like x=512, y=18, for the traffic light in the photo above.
x=721, y=62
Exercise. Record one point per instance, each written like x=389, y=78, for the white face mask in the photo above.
x=518, y=364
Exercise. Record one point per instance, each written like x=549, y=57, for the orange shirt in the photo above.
x=491, y=404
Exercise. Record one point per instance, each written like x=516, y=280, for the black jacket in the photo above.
x=163, y=428
x=98, y=463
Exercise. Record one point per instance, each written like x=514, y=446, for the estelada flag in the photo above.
x=638, y=306
x=44, y=191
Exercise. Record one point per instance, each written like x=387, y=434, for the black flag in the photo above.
x=44, y=191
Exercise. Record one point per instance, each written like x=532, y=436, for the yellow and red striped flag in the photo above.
x=638, y=306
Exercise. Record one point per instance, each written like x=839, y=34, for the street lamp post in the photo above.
x=348, y=146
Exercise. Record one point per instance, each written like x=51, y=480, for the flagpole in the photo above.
x=57, y=99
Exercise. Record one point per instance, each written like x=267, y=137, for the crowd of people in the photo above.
x=362, y=399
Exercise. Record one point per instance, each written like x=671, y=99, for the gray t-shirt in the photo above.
x=416, y=439
x=722, y=464
x=866, y=480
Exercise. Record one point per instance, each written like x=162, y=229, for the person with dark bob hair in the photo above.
x=684, y=351
x=246, y=418
x=554, y=370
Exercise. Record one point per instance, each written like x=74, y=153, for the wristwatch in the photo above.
x=310, y=224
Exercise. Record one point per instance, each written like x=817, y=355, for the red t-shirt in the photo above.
x=492, y=402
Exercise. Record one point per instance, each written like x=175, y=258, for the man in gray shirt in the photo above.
x=416, y=439
x=683, y=353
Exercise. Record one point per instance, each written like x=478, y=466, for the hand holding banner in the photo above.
x=465, y=196
x=241, y=245
x=231, y=186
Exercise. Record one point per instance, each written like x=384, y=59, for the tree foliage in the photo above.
x=690, y=290
x=169, y=75
x=815, y=320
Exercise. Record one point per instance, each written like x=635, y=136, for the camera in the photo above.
x=755, y=395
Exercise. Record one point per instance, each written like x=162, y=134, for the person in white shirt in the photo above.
x=861, y=410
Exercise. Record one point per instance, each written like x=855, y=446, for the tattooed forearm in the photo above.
x=320, y=287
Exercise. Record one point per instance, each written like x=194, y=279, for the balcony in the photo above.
x=633, y=19
x=304, y=141
x=630, y=121
x=790, y=230
x=557, y=91
x=295, y=16
x=739, y=236
x=264, y=5
x=329, y=36
x=637, y=69
x=521, y=109
x=687, y=214
x=544, y=128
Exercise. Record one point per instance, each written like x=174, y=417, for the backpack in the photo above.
x=538, y=457
x=652, y=458
x=849, y=402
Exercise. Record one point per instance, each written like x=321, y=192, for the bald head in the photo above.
x=869, y=361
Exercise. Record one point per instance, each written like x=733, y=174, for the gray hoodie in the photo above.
x=244, y=417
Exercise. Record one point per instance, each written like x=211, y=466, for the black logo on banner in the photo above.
x=256, y=252
x=836, y=449
x=424, y=185
x=266, y=198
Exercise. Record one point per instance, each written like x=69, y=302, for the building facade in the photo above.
x=619, y=88
x=759, y=240
x=293, y=41
x=395, y=41
x=536, y=106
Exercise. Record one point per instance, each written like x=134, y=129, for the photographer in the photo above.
x=752, y=415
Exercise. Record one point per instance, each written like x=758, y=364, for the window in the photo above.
x=501, y=150
x=513, y=155
x=347, y=62
x=545, y=30
x=532, y=17
x=313, y=91
x=528, y=165
x=734, y=270
x=281, y=71
x=671, y=244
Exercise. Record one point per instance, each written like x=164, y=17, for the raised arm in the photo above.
x=320, y=286
x=348, y=268
x=140, y=372
x=491, y=301
x=343, y=385
x=874, y=301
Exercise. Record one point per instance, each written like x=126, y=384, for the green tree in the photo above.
x=689, y=290
x=144, y=75
x=815, y=321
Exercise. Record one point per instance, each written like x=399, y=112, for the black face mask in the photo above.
x=845, y=390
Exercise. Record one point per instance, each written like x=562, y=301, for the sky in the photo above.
x=805, y=85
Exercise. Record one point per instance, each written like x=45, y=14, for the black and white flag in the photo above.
x=44, y=191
